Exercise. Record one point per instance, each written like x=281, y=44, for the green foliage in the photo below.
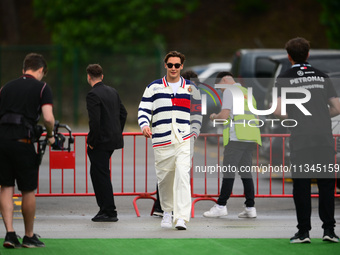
x=109, y=24
x=330, y=17
x=251, y=7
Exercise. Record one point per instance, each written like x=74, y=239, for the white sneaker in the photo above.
x=216, y=211
x=167, y=220
x=249, y=212
x=180, y=225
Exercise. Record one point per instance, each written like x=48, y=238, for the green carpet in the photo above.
x=177, y=247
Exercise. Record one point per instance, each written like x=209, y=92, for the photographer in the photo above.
x=22, y=101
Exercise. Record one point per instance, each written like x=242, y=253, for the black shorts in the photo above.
x=18, y=162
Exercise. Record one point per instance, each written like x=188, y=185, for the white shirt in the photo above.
x=175, y=86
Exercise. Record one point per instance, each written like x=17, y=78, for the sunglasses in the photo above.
x=170, y=65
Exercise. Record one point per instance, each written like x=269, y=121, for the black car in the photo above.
x=253, y=68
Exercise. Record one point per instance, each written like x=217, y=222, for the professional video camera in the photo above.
x=59, y=140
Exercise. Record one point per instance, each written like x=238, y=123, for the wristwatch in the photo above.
x=50, y=136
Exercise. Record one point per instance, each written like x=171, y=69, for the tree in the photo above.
x=330, y=17
x=9, y=20
x=109, y=24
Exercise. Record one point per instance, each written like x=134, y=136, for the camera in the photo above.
x=59, y=140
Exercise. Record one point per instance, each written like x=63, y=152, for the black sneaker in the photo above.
x=11, y=240
x=300, y=237
x=104, y=218
x=32, y=242
x=329, y=235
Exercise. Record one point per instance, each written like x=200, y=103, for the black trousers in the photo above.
x=157, y=204
x=237, y=154
x=302, y=186
x=101, y=181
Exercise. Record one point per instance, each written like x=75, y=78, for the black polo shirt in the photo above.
x=25, y=95
x=313, y=130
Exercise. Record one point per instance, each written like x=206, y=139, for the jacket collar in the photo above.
x=165, y=83
x=28, y=76
x=98, y=84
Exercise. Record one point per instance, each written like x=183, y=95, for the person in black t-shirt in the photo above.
x=311, y=142
x=22, y=101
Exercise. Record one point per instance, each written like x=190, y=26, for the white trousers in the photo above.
x=172, y=165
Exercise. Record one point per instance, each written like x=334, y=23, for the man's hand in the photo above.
x=212, y=116
x=223, y=114
x=147, y=132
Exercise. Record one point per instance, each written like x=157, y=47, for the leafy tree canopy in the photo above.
x=109, y=24
x=330, y=17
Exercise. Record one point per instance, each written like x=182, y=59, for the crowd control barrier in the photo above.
x=67, y=173
x=64, y=173
x=271, y=175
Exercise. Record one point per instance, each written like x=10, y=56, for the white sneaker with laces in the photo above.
x=249, y=212
x=216, y=211
x=167, y=220
x=180, y=225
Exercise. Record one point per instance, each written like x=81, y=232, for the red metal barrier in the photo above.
x=130, y=173
x=76, y=161
x=282, y=180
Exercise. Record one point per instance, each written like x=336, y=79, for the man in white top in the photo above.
x=165, y=106
x=239, y=143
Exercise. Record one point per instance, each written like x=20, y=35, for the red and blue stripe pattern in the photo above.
x=166, y=112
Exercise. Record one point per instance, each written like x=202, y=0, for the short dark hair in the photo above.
x=94, y=70
x=220, y=75
x=298, y=49
x=34, y=61
x=189, y=74
x=174, y=54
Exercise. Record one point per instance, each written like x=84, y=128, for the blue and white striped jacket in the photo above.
x=169, y=113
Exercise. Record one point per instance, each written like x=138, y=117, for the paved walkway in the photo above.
x=70, y=217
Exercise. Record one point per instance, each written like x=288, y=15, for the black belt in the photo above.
x=25, y=140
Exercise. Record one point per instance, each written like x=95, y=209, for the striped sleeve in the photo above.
x=145, y=108
x=195, y=111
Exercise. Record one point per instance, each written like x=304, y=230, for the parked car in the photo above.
x=327, y=61
x=206, y=83
x=335, y=77
x=253, y=68
x=210, y=70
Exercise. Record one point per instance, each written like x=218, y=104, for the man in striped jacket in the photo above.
x=165, y=106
